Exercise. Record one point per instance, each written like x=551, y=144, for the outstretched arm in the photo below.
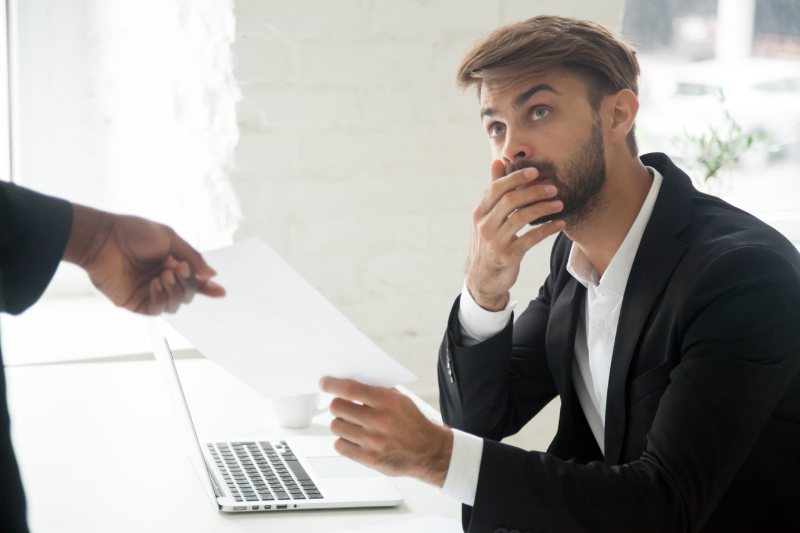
x=140, y=265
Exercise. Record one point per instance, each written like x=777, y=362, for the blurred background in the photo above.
x=334, y=131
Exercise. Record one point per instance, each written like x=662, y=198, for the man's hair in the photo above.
x=543, y=43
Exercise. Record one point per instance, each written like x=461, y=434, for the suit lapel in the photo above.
x=659, y=251
x=562, y=324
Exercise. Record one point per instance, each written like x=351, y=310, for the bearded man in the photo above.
x=669, y=325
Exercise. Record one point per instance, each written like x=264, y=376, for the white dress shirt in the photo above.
x=594, y=343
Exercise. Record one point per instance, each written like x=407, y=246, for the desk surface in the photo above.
x=99, y=451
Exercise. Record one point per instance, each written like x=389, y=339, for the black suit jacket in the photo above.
x=33, y=233
x=703, y=410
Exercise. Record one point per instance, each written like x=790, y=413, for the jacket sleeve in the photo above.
x=740, y=349
x=34, y=229
x=492, y=389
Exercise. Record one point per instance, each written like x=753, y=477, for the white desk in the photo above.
x=99, y=452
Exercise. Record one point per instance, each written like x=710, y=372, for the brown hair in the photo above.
x=543, y=43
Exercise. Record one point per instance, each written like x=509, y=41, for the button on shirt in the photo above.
x=594, y=343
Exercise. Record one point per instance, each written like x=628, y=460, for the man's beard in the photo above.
x=580, y=184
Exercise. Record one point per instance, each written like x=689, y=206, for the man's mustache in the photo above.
x=545, y=168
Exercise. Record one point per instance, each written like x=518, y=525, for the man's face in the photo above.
x=547, y=122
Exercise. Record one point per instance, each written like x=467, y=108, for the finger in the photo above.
x=184, y=252
x=352, y=412
x=537, y=235
x=352, y=390
x=182, y=269
x=186, y=281
x=190, y=282
x=172, y=290
x=210, y=288
x=170, y=262
x=155, y=304
x=351, y=450
x=525, y=215
x=501, y=186
x=517, y=199
x=349, y=431
x=498, y=169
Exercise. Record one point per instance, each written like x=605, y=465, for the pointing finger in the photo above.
x=352, y=390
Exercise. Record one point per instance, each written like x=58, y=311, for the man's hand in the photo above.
x=384, y=430
x=138, y=264
x=509, y=204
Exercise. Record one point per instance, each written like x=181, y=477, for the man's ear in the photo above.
x=622, y=109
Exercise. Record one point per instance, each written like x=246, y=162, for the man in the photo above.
x=139, y=265
x=669, y=324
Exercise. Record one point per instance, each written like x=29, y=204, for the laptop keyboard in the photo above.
x=262, y=471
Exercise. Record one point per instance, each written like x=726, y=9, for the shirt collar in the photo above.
x=616, y=276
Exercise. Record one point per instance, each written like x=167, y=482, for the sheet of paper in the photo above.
x=423, y=524
x=274, y=331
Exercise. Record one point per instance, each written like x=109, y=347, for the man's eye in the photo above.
x=539, y=113
x=496, y=129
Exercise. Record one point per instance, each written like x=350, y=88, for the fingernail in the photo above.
x=530, y=172
x=550, y=189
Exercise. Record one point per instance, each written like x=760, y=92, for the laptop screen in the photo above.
x=166, y=364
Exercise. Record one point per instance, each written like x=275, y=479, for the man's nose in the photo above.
x=516, y=149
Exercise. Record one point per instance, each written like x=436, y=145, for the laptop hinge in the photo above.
x=217, y=490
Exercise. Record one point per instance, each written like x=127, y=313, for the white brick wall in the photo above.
x=359, y=160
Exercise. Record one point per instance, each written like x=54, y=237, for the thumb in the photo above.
x=498, y=169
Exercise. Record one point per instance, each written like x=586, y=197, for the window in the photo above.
x=5, y=143
x=731, y=67
x=125, y=106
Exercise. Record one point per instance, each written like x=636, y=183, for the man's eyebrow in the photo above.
x=522, y=98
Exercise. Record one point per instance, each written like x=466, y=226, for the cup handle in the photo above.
x=323, y=403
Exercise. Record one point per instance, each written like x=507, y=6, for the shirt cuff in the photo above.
x=478, y=324
x=461, y=482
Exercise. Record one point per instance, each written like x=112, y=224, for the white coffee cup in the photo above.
x=296, y=411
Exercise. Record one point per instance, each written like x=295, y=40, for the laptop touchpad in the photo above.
x=339, y=467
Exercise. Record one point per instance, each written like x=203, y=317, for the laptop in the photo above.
x=291, y=474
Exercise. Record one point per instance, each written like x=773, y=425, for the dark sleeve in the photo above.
x=34, y=229
x=492, y=389
x=740, y=348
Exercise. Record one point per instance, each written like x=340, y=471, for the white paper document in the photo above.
x=274, y=331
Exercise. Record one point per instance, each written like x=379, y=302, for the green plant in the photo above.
x=719, y=146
